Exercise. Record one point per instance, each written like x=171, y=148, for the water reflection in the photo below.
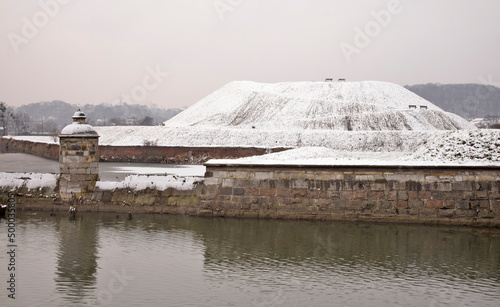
x=76, y=257
x=176, y=260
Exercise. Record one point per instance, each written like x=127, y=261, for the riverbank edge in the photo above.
x=187, y=203
x=41, y=206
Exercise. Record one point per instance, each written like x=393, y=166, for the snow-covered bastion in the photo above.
x=358, y=151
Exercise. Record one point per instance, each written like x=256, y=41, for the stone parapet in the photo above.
x=425, y=193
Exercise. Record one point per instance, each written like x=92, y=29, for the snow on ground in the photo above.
x=141, y=182
x=358, y=106
x=184, y=171
x=29, y=180
x=317, y=156
x=462, y=146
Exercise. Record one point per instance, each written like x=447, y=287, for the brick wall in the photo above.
x=48, y=151
x=464, y=194
x=153, y=154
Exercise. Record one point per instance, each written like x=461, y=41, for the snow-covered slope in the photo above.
x=357, y=106
x=462, y=146
x=465, y=147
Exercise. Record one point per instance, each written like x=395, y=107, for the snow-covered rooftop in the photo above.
x=78, y=129
x=352, y=106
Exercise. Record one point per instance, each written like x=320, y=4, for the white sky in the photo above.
x=94, y=51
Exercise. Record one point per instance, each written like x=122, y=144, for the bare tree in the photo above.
x=3, y=116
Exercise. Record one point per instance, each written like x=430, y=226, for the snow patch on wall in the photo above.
x=142, y=182
x=29, y=180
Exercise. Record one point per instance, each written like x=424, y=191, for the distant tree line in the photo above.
x=49, y=117
x=467, y=100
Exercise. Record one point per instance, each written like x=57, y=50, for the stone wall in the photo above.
x=176, y=155
x=153, y=154
x=467, y=195
x=169, y=201
x=44, y=150
x=79, y=165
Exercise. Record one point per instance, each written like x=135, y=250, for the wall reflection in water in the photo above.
x=176, y=260
x=77, y=257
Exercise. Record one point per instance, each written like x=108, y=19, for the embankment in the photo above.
x=150, y=154
x=454, y=195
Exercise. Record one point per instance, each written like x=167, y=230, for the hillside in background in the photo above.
x=467, y=100
x=44, y=117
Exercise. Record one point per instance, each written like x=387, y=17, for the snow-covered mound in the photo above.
x=462, y=146
x=358, y=106
x=478, y=148
x=226, y=137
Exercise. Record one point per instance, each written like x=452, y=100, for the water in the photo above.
x=108, y=171
x=160, y=260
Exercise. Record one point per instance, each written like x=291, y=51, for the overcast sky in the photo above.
x=172, y=53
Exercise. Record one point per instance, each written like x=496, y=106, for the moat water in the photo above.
x=108, y=171
x=105, y=259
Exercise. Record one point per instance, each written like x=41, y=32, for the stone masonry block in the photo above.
x=401, y=204
x=413, y=186
x=288, y=183
x=402, y=195
x=267, y=191
x=416, y=203
x=495, y=205
x=376, y=195
x=378, y=186
x=268, y=183
x=412, y=194
x=264, y=175
x=284, y=193
x=396, y=185
x=444, y=186
x=434, y=203
x=220, y=174
x=225, y=191
x=462, y=204
x=299, y=193
x=252, y=191
x=461, y=186
x=481, y=194
x=346, y=195
x=449, y=204
x=238, y=191
x=241, y=175
x=424, y=194
x=362, y=195
x=386, y=205
x=212, y=181
x=480, y=204
x=227, y=182
x=359, y=186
